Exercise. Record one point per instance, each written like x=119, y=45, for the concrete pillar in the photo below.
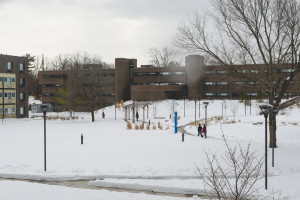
x=128, y=113
x=143, y=115
x=147, y=112
x=133, y=115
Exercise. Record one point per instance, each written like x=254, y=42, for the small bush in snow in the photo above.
x=154, y=127
x=148, y=127
x=136, y=127
x=142, y=126
x=129, y=126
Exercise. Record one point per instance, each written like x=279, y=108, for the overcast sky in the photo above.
x=107, y=28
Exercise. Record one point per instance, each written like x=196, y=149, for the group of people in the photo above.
x=202, y=130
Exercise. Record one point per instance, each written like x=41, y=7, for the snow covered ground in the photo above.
x=112, y=150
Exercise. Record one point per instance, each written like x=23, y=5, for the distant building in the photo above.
x=195, y=80
x=13, y=86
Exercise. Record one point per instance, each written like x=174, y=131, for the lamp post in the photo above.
x=184, y=97
x=222, y=110
x=206, y=104
x=195, y=110
x=115, y=109
x=266, y=110
x=44, y=108
x=199, y=108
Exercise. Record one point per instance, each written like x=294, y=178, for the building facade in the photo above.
x=193, y=81
x=13, y=86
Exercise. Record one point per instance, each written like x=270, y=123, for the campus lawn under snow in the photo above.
x=110, y=149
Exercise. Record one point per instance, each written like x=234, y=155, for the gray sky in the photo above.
x=108, y=28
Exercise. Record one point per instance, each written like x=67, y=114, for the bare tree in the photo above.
x=86, y=94
x=234, y=175
x=263, y=33
x=163, y=57
x=234, y=106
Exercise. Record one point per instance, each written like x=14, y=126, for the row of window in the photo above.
x=10, y=66
x=161, y=84
x=7, y=79
x=10, y=95
x=244, y=71
x=158, y=73
x=10, y=80
x=242, y=83
x=55, y=76
x=12, y=110
x=103, y=94
x=228, y=94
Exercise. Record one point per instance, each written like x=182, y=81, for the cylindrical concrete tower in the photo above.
x=194, y=64
x=124, y=72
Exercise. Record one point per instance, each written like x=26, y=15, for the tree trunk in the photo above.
x=272, y=121
x=93, y=116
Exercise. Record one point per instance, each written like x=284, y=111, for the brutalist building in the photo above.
x=193, y=81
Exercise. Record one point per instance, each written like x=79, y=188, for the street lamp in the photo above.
x=115, y=109
x=44, y=108
x=266, y=110
x=205, y=104
x=184, y=97
x=199, y=107
x=195, y=110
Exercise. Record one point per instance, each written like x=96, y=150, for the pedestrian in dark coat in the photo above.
x=103, y=115
x=137, y=116
x=204, y=130
x=200, y=130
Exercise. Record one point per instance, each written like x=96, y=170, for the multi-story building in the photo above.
x=53, y=82
x=195, y=80
x=13, y=86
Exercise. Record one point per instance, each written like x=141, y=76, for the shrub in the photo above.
x=129, y=126
x=154, y=127
x=237, y=178
x=148, y=127
x=142, y=126
x=136, y=127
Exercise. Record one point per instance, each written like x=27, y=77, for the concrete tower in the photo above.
x=194, y=64
x=124, y=72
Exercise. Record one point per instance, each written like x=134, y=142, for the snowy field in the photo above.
x=111, y=150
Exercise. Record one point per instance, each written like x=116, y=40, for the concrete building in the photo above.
x=193, y=81
x=13, y=86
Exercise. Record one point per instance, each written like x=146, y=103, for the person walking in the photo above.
x=204, y=130
x=137, y=116
x=200, y=130
x=103, y=115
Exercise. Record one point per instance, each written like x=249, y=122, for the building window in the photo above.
x=13, y=95
x=22, y=110
x=9, y=65
x=0, y=95
x=22, y=81
x=22, y=95
x=13, y=110
x=21, y=67
x=209, y=83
